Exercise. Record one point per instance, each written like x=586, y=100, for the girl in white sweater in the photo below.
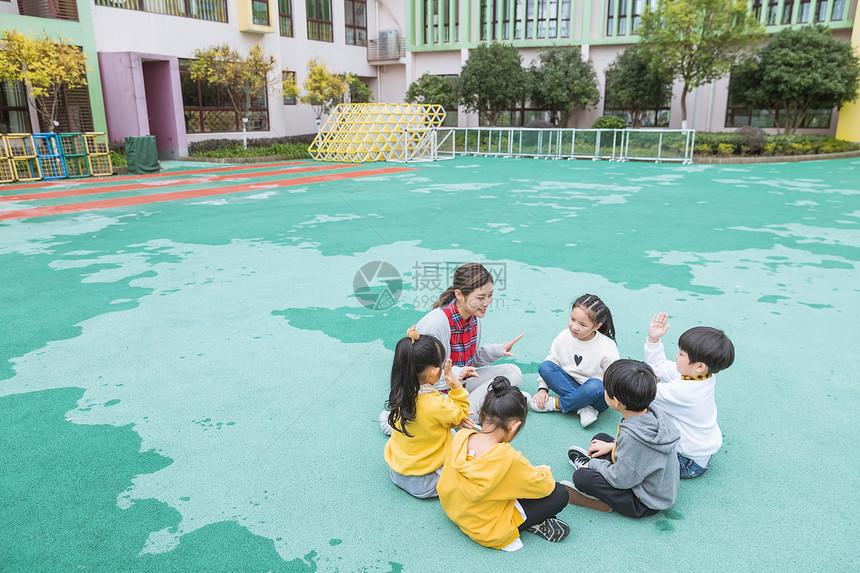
x=577, y=360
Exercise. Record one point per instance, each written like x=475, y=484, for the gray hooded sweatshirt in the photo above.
x=645, y=459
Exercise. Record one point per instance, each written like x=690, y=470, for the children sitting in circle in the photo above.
x=634, y=473
x=686, y=393
x=421, y=417
x=489, y=489
x=577, y=359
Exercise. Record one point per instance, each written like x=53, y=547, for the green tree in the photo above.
x=322, y=89
x=799, y=69
x=45, y=65
x=240, y=78
x=492, y=80
x=434, y=90
x=563, y=83
x=357, y=89
x=698, y=41
x=633, y=82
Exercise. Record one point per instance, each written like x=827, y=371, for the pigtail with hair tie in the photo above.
x=412, y=333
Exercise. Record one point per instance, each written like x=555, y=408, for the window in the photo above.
x=622, y=17
x=657, y=116
x=289, y=100
x=53, y=9
x=756, y=8
x=637, y=13
x=285, y=17
x=838, y=8
x=260, y=12
x=552, y=18
x=211, y=10
x=14, y=113
x=319, y=20
x=610, y=18
x=803, y=16
x=787, y=11
x=821, y=13
x=772, y=7
x=738, y=115
x=520, y=116
x=208, y=109
x=74, y=113
x=355, y=12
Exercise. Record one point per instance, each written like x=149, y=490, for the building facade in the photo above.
x=139, y=51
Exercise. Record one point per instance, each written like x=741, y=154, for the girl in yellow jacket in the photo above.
x=421, y=418
x=489, y=489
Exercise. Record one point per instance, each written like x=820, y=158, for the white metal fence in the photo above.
x=613, y=144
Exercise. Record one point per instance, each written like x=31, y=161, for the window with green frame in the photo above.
x=739, y=115
x=285, y=18
x=260, y=12
x=319, y=20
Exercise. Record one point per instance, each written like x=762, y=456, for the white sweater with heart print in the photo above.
x=582, y=360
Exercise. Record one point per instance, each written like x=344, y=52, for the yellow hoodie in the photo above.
x=425, y=451
x=478, y=493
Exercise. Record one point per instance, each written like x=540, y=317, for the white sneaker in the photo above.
x=587, y=416
x=383, y=422
x=551, y=405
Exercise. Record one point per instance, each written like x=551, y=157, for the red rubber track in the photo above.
x=190, y=194
x=74, y=192
x=145, y=177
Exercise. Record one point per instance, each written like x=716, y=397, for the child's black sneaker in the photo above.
x=579, y=499
x=551, y=529
x=578, y=457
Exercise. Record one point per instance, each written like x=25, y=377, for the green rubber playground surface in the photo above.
x=188, y=382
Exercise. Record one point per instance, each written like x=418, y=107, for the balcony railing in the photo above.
x=54, y=9
x=212, y=10
x=377, y=50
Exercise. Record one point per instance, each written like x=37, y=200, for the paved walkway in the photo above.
x=188, y=382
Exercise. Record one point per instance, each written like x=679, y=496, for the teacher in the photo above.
x=456, y=322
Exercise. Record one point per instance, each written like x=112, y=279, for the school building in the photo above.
x=139, y=50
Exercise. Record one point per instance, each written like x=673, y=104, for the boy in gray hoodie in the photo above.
x=636, y=474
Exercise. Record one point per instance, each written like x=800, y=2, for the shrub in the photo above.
x=752, y=139
x=726, y=149
x=608, y=122
x=197, y=147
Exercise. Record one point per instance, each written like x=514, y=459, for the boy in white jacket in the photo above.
x=686, y=394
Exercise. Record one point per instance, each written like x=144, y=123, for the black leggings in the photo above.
x=624, y=501
x=538, y=510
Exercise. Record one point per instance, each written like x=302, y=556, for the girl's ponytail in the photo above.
x=467, y=278
x=503, y=404
x=598, y=312
x=412, y=356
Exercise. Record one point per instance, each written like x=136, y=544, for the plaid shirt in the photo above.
x=464, y=336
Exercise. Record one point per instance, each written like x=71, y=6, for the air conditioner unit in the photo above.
x=388, y=45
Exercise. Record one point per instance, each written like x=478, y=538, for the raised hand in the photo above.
x=658, y=327
x=450, y=378
x=509, y=344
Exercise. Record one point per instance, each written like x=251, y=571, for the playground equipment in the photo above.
x=98, y=156
x=23, y=154
x=6, y=173
x=49, y=154
x=363, y=132
x=75, y=155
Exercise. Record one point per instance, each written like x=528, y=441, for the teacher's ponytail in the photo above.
x=467, y=278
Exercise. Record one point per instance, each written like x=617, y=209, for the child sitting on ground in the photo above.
x=636, y=473
x=577, y=360
x=420, y=416
x=489, y=489
x=686, y=391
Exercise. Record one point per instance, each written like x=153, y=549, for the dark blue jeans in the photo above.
x=572, y=394
x=690, y=469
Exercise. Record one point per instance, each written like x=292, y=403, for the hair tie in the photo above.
x=412, y=333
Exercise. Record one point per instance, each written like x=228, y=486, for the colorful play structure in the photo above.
x=51, y=156
x=366, y=132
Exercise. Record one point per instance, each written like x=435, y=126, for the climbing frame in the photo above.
x=364, y=132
